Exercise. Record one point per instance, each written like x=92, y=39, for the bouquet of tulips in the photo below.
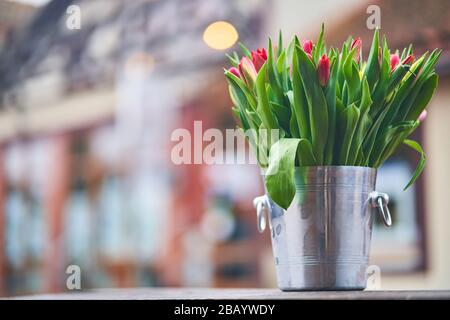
x=328, y=106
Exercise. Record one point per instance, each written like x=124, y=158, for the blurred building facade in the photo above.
x=13, y=16
x=85, y=128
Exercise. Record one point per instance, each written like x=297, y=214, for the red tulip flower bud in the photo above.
x=423, y=115
x=235, y=71
x=409, y=60
x=259, y=57
x=357, y=43
x=247, y=71
x=323, y=70
x=307, y=46
x=395, y=60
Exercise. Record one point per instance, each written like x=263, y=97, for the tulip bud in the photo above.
x=307, y=46
x=357, y=43
x=423, y=115
x=235, y=71
x=409, y=60
x=247, y=71
x=259, y=57
x=395, y=60
x=323, y=70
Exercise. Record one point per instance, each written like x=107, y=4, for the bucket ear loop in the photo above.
x=261, y=206
x=380, y=200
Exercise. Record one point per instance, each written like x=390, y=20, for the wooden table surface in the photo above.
x=245, y=294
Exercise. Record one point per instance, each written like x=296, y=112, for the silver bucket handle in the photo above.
x=380, y=200
x=377, y=199
x=261, y=205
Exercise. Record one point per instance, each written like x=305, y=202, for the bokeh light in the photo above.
x=220, y=35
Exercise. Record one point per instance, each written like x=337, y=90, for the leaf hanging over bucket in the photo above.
x=280, y=173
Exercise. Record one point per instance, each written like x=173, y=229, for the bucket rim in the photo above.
x=335, y=168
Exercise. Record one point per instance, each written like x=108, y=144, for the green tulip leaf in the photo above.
x=305, y=154
x=424, y=96
x=330, y=96
x=351, y=116
x=279, y=178
x=317, y=105
x=245, y=50
x=283, y=115
x=263, y=108
x=421, y=165
x=372, y=70
x=300, y=102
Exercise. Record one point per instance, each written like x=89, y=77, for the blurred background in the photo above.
x=86, y=116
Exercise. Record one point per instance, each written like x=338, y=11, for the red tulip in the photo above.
x=423, y=115
x=408, y=60
x=259, y=57
x=247, y=71
x=357, y=43
x=323, y=70
x=307, y=46
x=235, y=71
x=395, y=60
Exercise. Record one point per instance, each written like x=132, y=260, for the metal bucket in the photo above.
x=322, y=241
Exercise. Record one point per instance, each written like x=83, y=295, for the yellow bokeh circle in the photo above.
x=220, y=35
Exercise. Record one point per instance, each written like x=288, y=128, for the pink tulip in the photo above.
x=247, y=71
x=395, y=60
x=357, y=43
x=235, y=71
x=423, y=115
x=323, y=70
x=307, y=46
x=408, y=60
x=259, y=57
